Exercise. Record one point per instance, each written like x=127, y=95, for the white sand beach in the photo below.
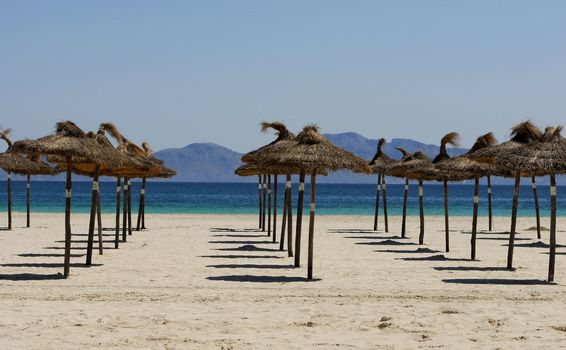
x=184, y=284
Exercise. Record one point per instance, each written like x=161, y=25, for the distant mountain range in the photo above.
x=209, y=162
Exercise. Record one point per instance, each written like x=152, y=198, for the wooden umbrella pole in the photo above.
x=259, y=198
x=384, y=189
x=118, y=190
x=125, y=212
x=67, y=263
x=298, y=232
x=405, y=200
x=144, y=185
x=275, y=208
x=283, y=220
x=475, y=217
x=537, y=208
x=92, y=217
x=513, y=221
x=140, y=205
x=446, y=216
x=9, y=201
x=489, y=206
x=99, y=223
x=311, y=224
x=552, y=253
x=129, y=207
x=28, y=200
x=268, y=205
x=377, y=192
x=289, y=216
x=264, y=201
x=421, y=212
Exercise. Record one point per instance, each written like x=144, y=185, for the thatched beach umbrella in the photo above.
x=311, y=152
x=143, y=166
x=540, y=158
x=465, y=168
x=522, y=135
x=70, y=142
x=283, y=135
x=428, y=171
x=403, y=168
x=163, y=173
x=377, y=163
x=122, y=163
x=14, y=163
x=385, y=170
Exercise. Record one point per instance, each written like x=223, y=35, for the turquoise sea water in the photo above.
x=242, y=198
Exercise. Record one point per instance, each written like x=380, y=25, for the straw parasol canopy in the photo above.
x=70, y=142
x=12, y=162
x=310, y=151
x=465, y=167
x=427, y=170
x=255, y=169
x=400, y=168
x=523, y=135
x=544, y=157
x=380, y=159
x=283, y=134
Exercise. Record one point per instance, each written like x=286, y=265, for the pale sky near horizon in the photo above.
x=178, y=72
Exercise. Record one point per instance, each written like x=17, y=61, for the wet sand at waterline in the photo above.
x=193, y=282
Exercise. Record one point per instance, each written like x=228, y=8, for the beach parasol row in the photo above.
x=529, y=153
x=71, y=150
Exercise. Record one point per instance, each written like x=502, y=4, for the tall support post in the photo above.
x=259, y=199
x=129, y=207
x=141, y=206
x=311, y=225
x=475, y=217
x=421, y=212
x=92, y=218
x=552, y=253
x=489, y=204
x=537, y=208
x=405, y=200
x=513, y=221
x=384, y=189
x=300, y=200
x=9, y=201
x=264, y=201
x=289, y=216
x=125, y=212
x=446, y=216
x=268, y=205
x=28, y=201
x=68, y=189
x=99, y=223
x=275, y=208
x=377, y=192
x=117, y=232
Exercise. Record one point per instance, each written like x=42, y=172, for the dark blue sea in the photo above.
x=242, y=198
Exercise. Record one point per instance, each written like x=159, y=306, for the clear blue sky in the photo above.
x=177, y=72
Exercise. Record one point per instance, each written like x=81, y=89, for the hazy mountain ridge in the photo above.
x=210, y=162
